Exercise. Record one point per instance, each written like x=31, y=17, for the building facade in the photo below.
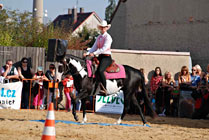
x=75, y=20
x=163, y=25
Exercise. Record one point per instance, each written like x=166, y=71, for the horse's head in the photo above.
x=76, y=67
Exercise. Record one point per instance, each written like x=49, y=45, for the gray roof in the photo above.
x=67, y=20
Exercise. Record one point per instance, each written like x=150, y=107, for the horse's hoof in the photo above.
x=76, y=118
x=147, y=125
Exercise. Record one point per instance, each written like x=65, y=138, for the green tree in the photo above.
x=20, y=29
x=84, y=39
x=110, y=9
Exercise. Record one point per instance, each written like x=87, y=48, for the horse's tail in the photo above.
x=147, y=102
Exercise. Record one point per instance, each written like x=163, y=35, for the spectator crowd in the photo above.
x=42, y=86
x=163, y=90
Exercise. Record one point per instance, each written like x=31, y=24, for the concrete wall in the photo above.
x=167, y=61
x=163, y=25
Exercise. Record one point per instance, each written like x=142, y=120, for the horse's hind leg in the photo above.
x=83, y=102
x=135, y=102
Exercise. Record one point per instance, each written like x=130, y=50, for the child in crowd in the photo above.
x=68, y=89
x=39, y=91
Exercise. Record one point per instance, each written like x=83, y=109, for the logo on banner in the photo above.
x=110, y=104
x=9, y=95
x=110, y=100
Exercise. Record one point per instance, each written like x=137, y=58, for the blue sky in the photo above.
x=57, y=7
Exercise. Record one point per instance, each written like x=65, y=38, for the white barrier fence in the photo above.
x=10, y=95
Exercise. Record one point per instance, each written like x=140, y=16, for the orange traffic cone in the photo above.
x=49, y=127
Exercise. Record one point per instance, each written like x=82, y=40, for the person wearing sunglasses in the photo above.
x=9, y=71
x=25, y=72
x=195, y=79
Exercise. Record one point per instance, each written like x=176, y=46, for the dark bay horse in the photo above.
x=131, y=85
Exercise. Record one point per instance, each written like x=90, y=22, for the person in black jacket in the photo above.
x=25, y=72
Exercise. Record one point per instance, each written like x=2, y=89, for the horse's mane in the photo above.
x=79, y=67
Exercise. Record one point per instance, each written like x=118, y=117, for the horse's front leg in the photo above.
x=82, y=96
x=83, y=101
x=74, y=109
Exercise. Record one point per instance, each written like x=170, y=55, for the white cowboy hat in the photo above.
x=104, y=24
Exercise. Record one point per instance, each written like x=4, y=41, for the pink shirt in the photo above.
x=102, y=45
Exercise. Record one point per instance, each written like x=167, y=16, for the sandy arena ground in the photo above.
x=16, y=125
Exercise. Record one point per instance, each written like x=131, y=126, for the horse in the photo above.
x=131, y=85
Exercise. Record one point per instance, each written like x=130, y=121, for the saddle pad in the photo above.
x=117, y=75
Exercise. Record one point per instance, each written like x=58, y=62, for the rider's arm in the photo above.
x=93, y=49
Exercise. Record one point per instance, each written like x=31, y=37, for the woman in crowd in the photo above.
x=25, y=72
x=168, y=87
x=184, y=77
x=39, y=90
x=155, y=84
x=199, y=71
x=195, y=79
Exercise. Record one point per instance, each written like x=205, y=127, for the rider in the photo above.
x=102, y=47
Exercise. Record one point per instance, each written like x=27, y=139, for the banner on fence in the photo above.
x=110, y=104
x=10, y=95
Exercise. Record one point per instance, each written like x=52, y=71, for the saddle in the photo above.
x=113, y=68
